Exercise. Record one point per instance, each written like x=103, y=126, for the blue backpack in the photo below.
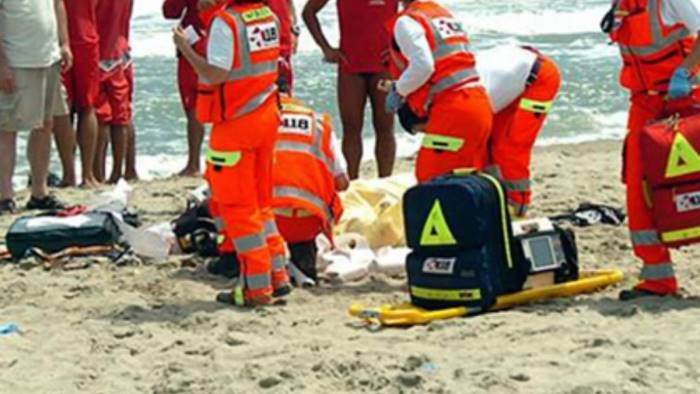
x=463, y=249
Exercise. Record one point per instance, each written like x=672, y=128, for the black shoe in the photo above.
x=47, y=203
x=282, y=291
x=226, y=266
x=7, y=206
x=634, y=294
x=303, y=256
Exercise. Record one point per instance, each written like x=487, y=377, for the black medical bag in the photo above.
x=463, y=249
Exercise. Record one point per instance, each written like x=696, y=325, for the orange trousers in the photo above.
x=515, y=130
x=239, y=172
x=457, y=133
x=657, y=274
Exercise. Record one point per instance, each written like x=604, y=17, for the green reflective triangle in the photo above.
x=684, y=159
x=436, y=231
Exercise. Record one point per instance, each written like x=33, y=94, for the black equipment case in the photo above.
x=53, y=233
x=464, y=253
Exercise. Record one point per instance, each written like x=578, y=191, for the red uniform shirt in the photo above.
x=283, y=11
x=363, y=35
x=82, y=21
x=174, y=9
x=113, y=22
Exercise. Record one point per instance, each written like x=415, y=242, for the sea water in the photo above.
x=591, y=106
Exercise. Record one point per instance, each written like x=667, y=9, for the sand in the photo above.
x=154, y=328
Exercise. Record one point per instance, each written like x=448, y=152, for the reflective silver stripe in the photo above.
x=495, y=171
x=249, y=243
x=450, y=81
x=445, y=50
x=645, y=238
x=279, y=263
x=219, y=223
x=270, y=228
x=300, y=147
x=257, y=101
x=295, y=192
x=657, y=271
x=518, y=185
x=253, y=71
x=258, y=281
x=659, y=41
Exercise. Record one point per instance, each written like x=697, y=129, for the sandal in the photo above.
x=50, y=202
x=7, y=206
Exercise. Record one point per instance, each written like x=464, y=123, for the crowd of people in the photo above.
x=66, y=72
x=273, y=164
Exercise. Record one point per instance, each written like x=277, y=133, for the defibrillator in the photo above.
x=549, y=250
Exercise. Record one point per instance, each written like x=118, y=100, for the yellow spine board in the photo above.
x=407, y=315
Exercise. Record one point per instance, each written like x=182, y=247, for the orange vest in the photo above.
x=303, y=167
x=253, y=76
x=651, y=51
x=454, y=63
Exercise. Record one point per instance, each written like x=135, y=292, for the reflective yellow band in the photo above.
x=441, y=142
x=256, y=14
x=681, y=235
x=504, y=222
x=538, y=107
x=446, y=295
x=226, y=159
x=290, y=107
x=293, y=212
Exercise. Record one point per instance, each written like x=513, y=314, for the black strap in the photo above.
x=607, y=24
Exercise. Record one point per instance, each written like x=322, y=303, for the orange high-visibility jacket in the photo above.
x=253, y=76
x=454, y=62
x=651, y=51
x=303, y=168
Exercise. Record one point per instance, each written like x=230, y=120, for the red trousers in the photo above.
x=657, y=273
x=456, y=135
x=239, y=172
x=515, y=130
x=299, y=229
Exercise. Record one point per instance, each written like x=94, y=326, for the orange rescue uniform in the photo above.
x=515, y=130
x=245, y=114
x=651, y=52
x=305, y=200
x=458, y=110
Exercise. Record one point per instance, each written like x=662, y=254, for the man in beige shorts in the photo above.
x=34, y=48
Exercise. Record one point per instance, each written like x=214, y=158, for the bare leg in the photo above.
x=195, y=136
x=130, y=173
x=39, y=154
x=64, y=135
x=352, y=98
x=118, y=136
x=87, y=139
x=8, y=155
x=385, y=147
x=101, y=153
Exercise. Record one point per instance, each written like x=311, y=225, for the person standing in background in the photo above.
x=289, y=35
x=363, y=41
x=188, y=14
x=436, y=77
x=239, y=98
x=113, y=108
x=34, y=49
x=130, y=173
x=82, y=83
x=660, y=53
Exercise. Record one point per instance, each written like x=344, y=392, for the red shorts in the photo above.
x=187, y=82
x=130, y=79
x=82, y=81
x=113, y=104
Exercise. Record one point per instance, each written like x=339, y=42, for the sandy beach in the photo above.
x=155, y=327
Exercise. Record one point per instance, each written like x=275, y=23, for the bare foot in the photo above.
x=67, y=183
x=90, y=183
x=190, y=172
x=131, y=176
x=114, y=179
